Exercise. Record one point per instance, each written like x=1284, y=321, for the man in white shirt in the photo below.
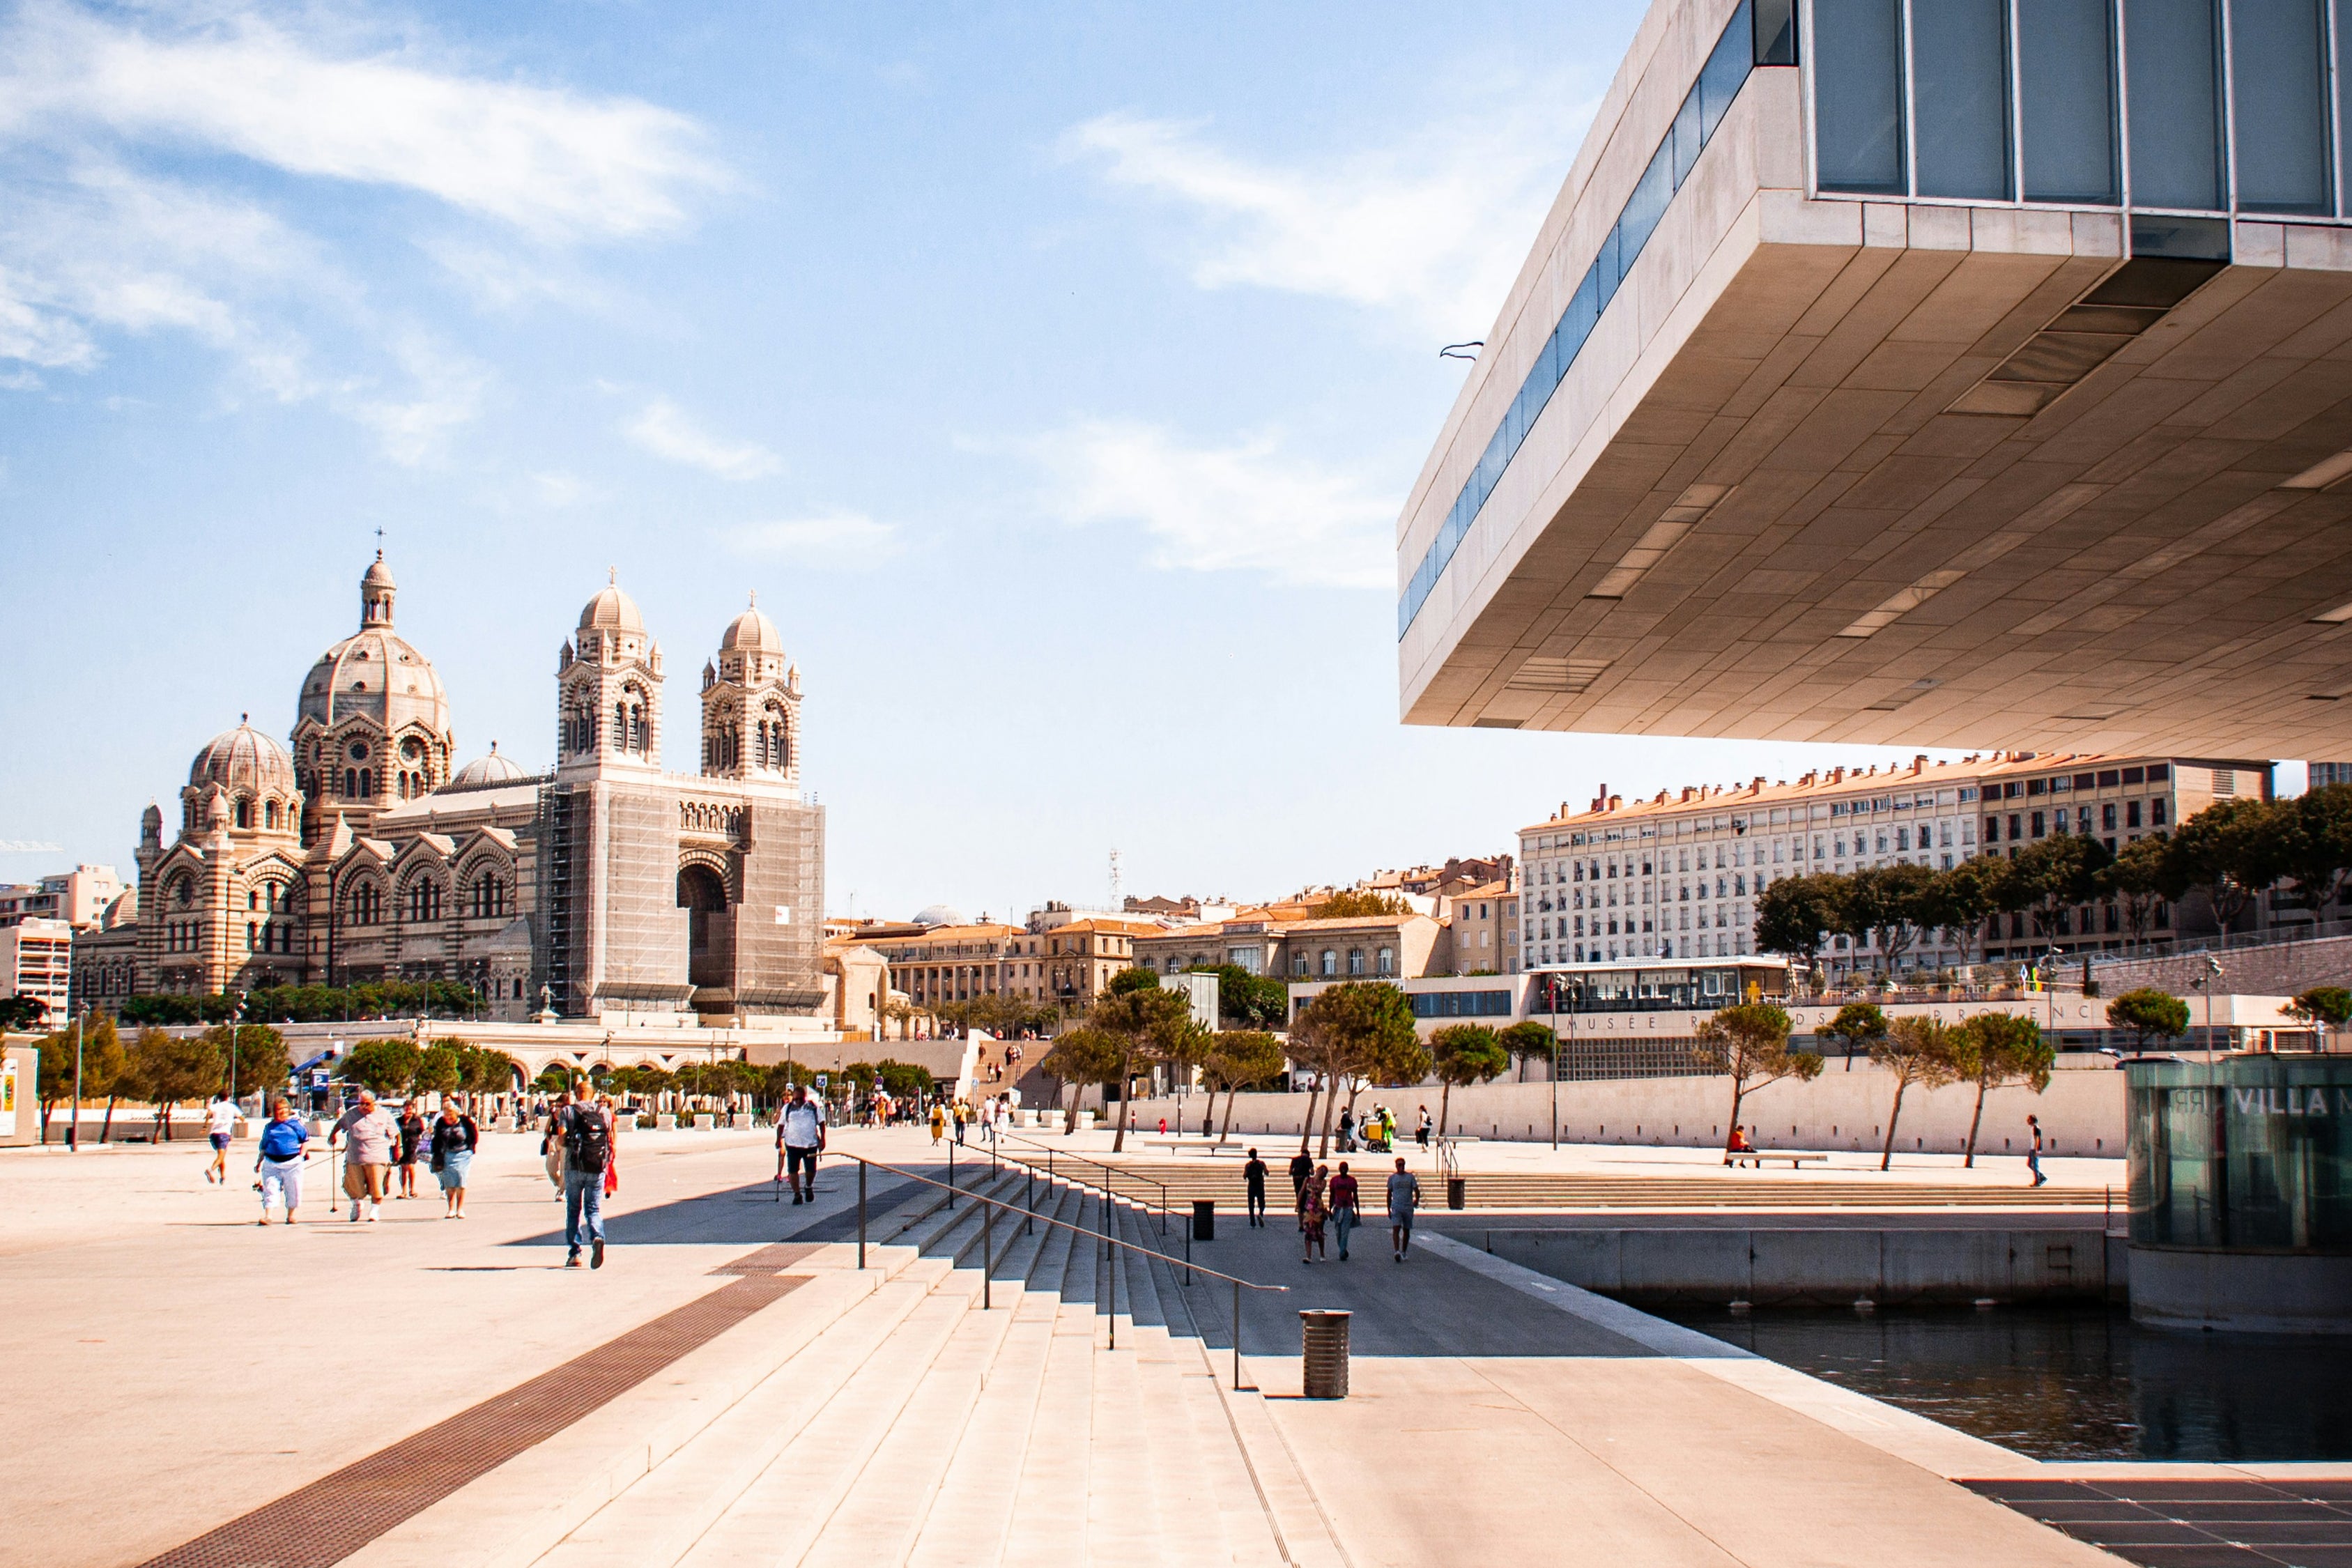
x=800, y=1135
x=220, y=1126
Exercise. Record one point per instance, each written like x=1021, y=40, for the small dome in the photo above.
x=244, y=760
x=483, y=773
x=940, y=915
x=753, y=632
x=611, y=611
x=378, y=575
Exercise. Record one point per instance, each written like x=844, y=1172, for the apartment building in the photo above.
x=79, y=896
x=1481, y=929
x=37, y=960
x=1678, y=876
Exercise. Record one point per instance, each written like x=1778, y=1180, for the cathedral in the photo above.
x=602, y=885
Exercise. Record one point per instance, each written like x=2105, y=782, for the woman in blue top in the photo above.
x=281, y=1159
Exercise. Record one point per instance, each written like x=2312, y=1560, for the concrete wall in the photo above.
x=1824, y=1267
x=20, y=1119
x=2276, y=969
x=2081, y=1112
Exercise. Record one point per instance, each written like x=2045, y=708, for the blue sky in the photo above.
x=1055, y=375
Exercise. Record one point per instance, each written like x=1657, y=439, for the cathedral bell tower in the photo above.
x=609, y=680
x=751, y=706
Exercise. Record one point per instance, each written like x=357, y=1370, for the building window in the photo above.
x=1330, y=963
x=1858, y=95
x=2156, y=812
x=1960, y=91
x=2172, y=58
x=2131, y=813
x=1387, y=959
x=2067, y=76
x=1355, y=961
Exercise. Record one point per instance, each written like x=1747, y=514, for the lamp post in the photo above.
x=73, y=1121
x=235, y=1010
x=1551, y=1004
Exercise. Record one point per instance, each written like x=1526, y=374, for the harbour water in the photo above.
x=2071, y=1382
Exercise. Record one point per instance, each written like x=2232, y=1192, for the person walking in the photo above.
x=1347, y=1130
x=1426, y=1124
x=939, y=1122
x=455, y=1138
x=551, y=1145
x=800, y=1137
x=1253, y=1184
x=586, y=1134
x=1404, y=1196
x=220, y=1126
x=1344, y=1195
x=1313, y=1213
x=963, y=1117
x=412, y=1134
x=1302, y=1166
x=367, y=1161
x=284, y=1148
x=2033, y=1155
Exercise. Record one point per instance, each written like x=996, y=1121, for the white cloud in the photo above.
x=450, y=390
x=839, y=538
x=667, y=431
x=1246, y=507
x=558, y=488
x=554, y=163
x=1434, y=228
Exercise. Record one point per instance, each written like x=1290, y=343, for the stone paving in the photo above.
x=861, y=1416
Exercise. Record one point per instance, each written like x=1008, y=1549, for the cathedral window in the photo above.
x=243, y=812
x=270, y=813
x=367, y=904
x=424, y=901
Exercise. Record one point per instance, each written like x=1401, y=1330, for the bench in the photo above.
x=1208, y=1146
x=1757, y=1156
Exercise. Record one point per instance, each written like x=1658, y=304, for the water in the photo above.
x=2071, y=1382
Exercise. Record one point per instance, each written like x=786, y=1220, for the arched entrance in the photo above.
x=710, y=929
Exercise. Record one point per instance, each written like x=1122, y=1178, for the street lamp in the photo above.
x=73, y=1122
x=235, y=1010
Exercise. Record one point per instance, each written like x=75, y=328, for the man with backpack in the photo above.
x=587, y=1136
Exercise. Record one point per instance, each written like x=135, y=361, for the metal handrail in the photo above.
x=988, y=1262
x=1115, y=1170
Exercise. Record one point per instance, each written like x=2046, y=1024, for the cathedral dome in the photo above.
x=753, y=632
x=611, y=611
x=375, y=673
x=244, y=760
x=939, y=915
x=485, y=773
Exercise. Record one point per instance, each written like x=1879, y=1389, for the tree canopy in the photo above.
x=1749, y=1043
x=1465, y=1054
x=2150, y=1014
x=1356, y=904
x=1997, y=1050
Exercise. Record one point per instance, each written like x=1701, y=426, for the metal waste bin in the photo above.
x=1457, y=1191
x=1204, y=1219
x=1325, y=1342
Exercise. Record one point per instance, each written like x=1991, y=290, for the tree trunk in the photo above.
x=1974, y=1123
x=1225, y=1129
x=1738, y=1092
x=46, y=1106
x=1314, y=1092
x=1070, y=1117
x=1444, y=1105
x=105, y=1127
x=1886, y=1156
x=1126, y=1101
x=1330, y=1109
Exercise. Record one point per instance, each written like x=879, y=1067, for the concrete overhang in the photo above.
x=1829, y=470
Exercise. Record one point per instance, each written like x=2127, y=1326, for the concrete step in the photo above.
x=784, y=1510
x=658, y=1518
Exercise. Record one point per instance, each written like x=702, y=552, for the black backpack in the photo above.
x=587, y=1140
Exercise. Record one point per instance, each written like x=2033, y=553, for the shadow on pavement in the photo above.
x=750, y=1215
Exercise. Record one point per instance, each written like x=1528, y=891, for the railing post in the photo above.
x=950, y=1175
x=1237, y=1336
x=1111, y=1258
x=861, y=1213
x=987, y=1251
x=1028, y=1199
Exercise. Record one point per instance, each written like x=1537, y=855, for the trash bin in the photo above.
x=1204, y=1219
x=1324, y=1343
x=1457, y=1191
